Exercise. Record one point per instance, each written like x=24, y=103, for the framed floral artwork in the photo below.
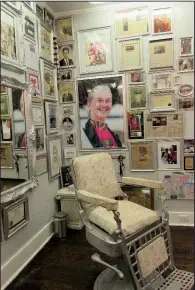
x=95, y=50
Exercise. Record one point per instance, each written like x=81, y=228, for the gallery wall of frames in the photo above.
x=122, y=85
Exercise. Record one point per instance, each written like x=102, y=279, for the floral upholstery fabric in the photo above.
x=152, y=256
x=133, y=216
x=96, y=174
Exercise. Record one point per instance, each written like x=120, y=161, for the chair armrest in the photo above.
x=143, y=182
x=95, y=199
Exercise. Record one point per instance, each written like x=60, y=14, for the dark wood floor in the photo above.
x=66, y=264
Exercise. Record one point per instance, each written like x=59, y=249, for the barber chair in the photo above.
x=137, y=237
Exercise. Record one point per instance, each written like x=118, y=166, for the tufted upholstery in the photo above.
x=133, y=216
x=95, y=173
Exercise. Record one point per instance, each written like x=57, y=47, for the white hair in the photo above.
x=93, y=92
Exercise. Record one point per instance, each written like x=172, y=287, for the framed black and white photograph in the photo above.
x=6, y=129
x=185, y=65
x=169, y=154
x=66, y=74
x=49, y=81
x=186, y=46
x=6, y=155
x=66, y=91
x=15, y=216
x=40, y=139
x=38, y=115
x=102, y=112
x=51, y=116
x=54, y=156
x=67, y=123
x=95, y=50
x=41, y=163
x=137, y=97
x=66, y=54
x=65, y=176
x=69, y=139
x=67, y=110
x=29, y=24
x=40, y=12
x=49, y=18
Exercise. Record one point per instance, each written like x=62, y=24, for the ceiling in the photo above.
x=58, y=6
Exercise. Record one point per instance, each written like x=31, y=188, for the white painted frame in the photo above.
x=192, y=46
x=74, y=92
x=36, y=74
x=162, y=109
x=32, y=63
x=49, y=139
x=41, y=55
x=26, y=11
x=61, y=44
x=40, y=108
x=43, y=169
x=172, y=140
x=189, y=94
x=158, y=9
x=47, y=65
x=56, y=28
x=156, y=77
x=48, y=129
x=82, y=57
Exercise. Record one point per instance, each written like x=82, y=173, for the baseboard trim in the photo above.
x=11, y=269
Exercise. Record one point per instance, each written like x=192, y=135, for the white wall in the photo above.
x=99, y=17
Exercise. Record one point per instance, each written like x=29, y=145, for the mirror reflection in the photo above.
x=13, y=148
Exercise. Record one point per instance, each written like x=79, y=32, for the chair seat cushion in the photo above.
x=133, y=216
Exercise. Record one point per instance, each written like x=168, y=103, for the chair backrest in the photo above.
x=96, y=173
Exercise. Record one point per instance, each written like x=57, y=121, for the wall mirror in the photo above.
x=17, y=149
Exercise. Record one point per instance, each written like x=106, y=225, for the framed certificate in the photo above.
x=162, y=101
x=161, y=54
x=95, y=50
x=131, y=22
x=189, y=162
x=130, y=54
x=142, y=156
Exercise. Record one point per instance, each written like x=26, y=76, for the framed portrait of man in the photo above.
x=64, y=29
x=45, y=43
x=66, y=55
x=95, y=50
x=102, y=112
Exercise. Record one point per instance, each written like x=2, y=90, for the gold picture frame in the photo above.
x=67, y=92
x=6, y=154
x=64, y=29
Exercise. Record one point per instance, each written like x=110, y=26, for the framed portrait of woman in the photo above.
x=102, y=112
x=49, y=81
x=54, y=156
x=95, y=50
x=66, y=54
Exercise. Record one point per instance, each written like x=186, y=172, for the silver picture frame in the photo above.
x=157, y=10
x=15, y=216
x=55, y=117
x=54, y=156
x=38, y=114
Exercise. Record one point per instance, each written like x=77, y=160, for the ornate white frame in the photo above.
x=25, y=11
x=162, y=109
x=14, y=192
x=94, y=69
x=74, y=92
x=17, y=65
x=45, y=64
x=36, y=74
x=156, y=77
x=184, y=58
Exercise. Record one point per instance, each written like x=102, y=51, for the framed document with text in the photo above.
x=161, y=54
x=131, y=22
x=162, y=101
x=130, y=54
x=142, y=156
x=95, y=50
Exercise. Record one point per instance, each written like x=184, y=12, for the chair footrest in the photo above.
x=177, y=280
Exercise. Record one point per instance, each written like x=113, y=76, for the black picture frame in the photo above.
x=65, y=176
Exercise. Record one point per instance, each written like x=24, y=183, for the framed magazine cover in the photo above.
x=95, y=50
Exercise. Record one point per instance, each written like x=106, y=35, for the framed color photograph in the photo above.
x=136, y=78
x=130, y=54
x=95, y=50
x=48, y=18
x=188, y=146
x=51, y=117
x=162, y=20
x=65, y=74
x=137, y=97
x=54, y=156
x=185, y=64
x=38, y=115
x=41, y=163
x=131, y=22
x=162, y=101
x=67, y=123
x=161, y=81
x=66, y=54
x=189, y=162
x=67, y=110
x=186, y=104
x=6, y=129
x=40, y=12
x=69, y=139
x=49, y=81
x=46, y=43
x=15, y=216
x=185, y=90
x=163, y=125
x=64, y=29
x=161, y=54
x=67, y=92
x=142, y=156
x=34, y=80
x=169, y=154
x=40, y=139
x=135, y=125
x=186, y=46
x=6, y=155
x=102, y=112
x=29, y=23
x=31, y=55
x=5, y=109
